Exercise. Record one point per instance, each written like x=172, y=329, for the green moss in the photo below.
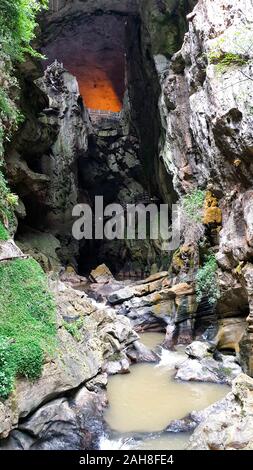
x=206, y=281
x=223, y=60
x=193, y=204
x=27, y=322
x=3, y=232
x=74, y=328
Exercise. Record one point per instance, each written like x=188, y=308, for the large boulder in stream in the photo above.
x=228, y=424
x=208, y=369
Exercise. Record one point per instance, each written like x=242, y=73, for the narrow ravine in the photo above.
x=126, y=224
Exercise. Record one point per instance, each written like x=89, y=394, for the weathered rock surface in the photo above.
x=227, y=425
x=198, y=350
x=207, y=369
x=205, y=110
x=101, y=274
x=41, y=246
x=76, y=360
x=9, y=250
x=74, y=423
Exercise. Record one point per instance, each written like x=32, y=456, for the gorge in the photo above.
x=143, y=102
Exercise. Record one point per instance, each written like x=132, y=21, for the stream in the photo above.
x=142, y=403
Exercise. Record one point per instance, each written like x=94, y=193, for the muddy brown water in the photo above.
x=148, y=398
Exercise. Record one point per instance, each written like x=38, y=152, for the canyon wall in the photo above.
x=207, y=142
x=185, y=130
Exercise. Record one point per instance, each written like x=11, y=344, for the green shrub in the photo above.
x=206, y=281
x=7, y=369
x=223, y=60
x=29, y=357
x=193, y=204
x=27, y=321
x=74, y=328
x=8, y=202
x=17, y=30
x=3, y=232
x=18, y=24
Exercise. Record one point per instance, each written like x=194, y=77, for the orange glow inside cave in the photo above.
x=98, y=90
x=93, y=50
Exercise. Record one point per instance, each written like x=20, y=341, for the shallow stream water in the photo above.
x=147, y=399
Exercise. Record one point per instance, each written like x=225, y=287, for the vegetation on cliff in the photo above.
x=27, y=321
x=17, y=30
x=206, y=281
x=27, y=310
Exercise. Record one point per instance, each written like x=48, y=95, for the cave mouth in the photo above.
x=92, y=48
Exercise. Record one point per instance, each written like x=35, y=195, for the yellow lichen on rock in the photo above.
x=237, y=162
x=212, y=212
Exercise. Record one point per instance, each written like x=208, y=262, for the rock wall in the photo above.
x=206, y=114
x=187, y=125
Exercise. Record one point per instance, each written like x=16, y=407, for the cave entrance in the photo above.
x=92, y=48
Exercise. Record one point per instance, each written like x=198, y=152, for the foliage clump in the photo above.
x=223, y=60
x=206, y=281
x=3, y=233
x=27, y=322
x=17, y=30
x=193, y=204
x=8, y=202
x=74, y=328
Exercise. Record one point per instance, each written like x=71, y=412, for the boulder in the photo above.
x=209, y=370
x=138, y=352
x=198, y=350
x=118, y=364
x=101, y=274
x=9, y=250
x=227, y=425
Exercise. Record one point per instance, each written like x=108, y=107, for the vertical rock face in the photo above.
x=208, y=97
x=60, y=164
x=206, y=109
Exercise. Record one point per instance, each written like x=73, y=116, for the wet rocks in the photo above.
x=73, y=423
x=101, y=274
x=207, y=369
x=154, y=302
x=227, y=425
x=138, y=352
x=118, y=364
x=198, y=350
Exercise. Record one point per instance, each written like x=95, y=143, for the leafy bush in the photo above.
x=74, y=328
x=27, y=321
x=17, y=30
x=3, y=232
x=7, y=373
x=193, y=204
x=206, y=281
x=8, y=201
x=223, y=60
x=18, y=24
